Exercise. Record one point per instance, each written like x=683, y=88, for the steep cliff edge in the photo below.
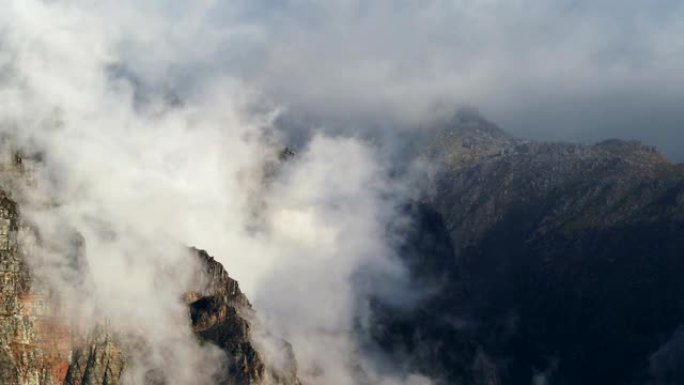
x=222, y=315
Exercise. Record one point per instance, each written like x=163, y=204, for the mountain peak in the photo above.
x=470, y=122
x=467, y=136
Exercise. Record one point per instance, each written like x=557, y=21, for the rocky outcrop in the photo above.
x=222, y=315
x=34, y=347
x=96, y=361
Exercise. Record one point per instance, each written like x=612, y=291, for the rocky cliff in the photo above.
x=37, y=348
x=34, y=347
x=223, y=316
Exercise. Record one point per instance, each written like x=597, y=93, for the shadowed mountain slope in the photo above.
x=562, y=262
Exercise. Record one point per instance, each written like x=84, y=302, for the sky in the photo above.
x=574, y=70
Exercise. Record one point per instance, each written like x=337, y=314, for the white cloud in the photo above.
x=139, y=180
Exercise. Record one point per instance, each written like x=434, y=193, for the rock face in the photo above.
x=562, y=262
x=97, y=361
x=33, y=348
x=36, y=349
x=221, y=315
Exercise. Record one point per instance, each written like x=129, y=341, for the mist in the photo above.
x=130, y=162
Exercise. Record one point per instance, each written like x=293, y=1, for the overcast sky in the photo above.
x=580, y=70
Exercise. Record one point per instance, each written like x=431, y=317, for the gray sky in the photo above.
x=563, y=69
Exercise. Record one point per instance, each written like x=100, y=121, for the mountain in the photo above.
x=465, y=138
x=537, y=263
x=561, y=263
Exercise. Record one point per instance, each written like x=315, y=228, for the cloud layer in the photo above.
x=563, y=69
